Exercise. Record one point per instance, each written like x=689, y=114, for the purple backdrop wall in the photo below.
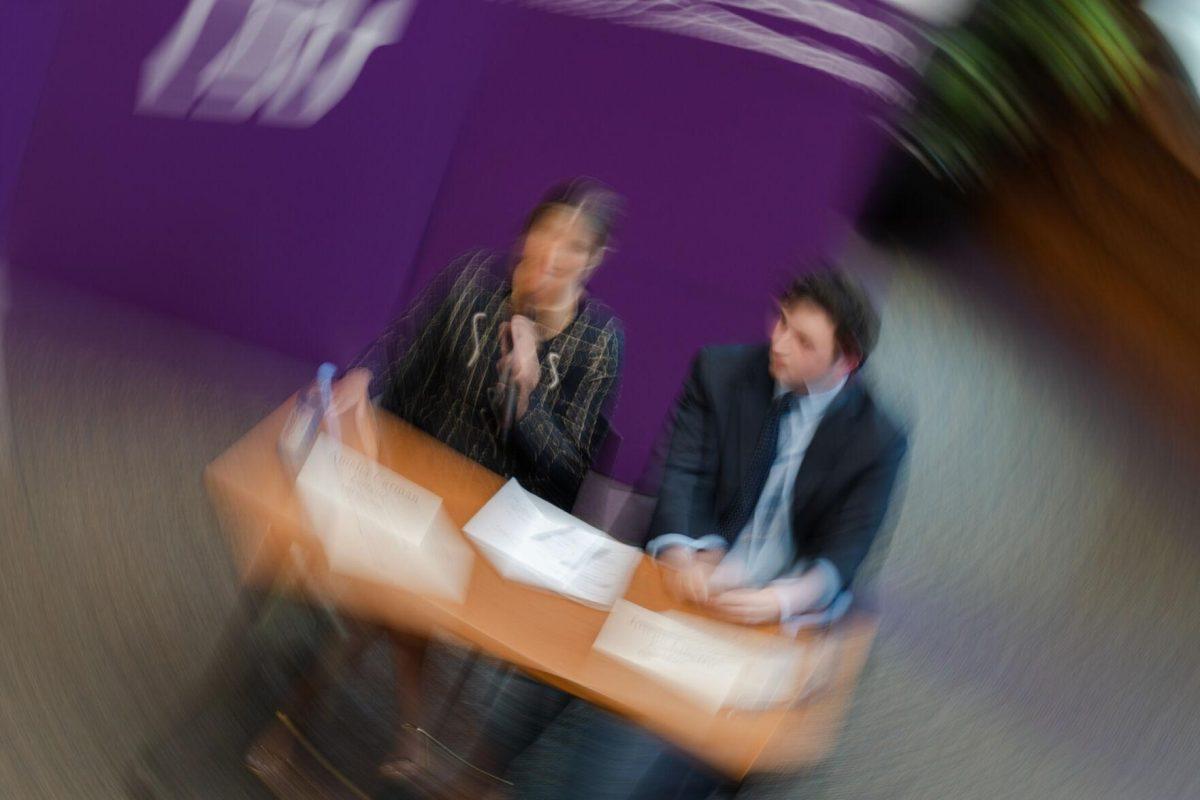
x=734, y=165
x=28, y=29
x=295, y=239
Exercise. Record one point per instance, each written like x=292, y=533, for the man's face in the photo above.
x=804, y=351
x=557, y=255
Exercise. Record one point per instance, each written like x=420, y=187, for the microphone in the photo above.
x=508, y=416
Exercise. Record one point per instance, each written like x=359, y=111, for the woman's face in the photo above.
x=557, y=255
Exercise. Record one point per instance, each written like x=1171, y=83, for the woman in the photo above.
x=509, y=361
x=514, y=372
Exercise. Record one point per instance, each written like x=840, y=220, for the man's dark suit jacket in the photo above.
x=844, y=482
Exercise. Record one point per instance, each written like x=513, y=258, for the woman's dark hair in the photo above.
x=598, y=205
x=856, y=323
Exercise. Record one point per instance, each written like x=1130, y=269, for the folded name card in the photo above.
x=717, y=665
x=378, y=525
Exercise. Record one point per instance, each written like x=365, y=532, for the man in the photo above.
x=781, y=465
x=777, y=479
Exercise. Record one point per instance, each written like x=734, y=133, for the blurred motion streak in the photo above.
x=292, y=59
x=719, y=23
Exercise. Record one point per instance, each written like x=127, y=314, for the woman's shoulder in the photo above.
x=597, y=316
x=474, y=282
x=481, y=269
x=600, y=327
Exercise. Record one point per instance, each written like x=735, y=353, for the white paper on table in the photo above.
x=379, y=525
x=773, y=667
x=716, y=664
x=535, y=542
x=507, y=518
x=556, y=553
x=677, y=655
x=603, y=573
x=559, y=518
x=501, y=528
x=589, y=567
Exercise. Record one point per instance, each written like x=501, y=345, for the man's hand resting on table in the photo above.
x=693, y=575
x=784, y=597
x=689, y=571
x=747, y=606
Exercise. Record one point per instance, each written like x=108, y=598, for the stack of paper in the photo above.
x=532, y=541
x=378, y=525
x=718, y=665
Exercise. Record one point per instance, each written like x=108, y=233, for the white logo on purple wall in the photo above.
x=288, y=61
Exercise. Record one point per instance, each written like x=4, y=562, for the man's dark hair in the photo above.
x=598, y=205
x=856, y=323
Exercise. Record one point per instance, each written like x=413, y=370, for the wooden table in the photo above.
x=543, y=634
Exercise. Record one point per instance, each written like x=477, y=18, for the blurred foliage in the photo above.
x=995, y=83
